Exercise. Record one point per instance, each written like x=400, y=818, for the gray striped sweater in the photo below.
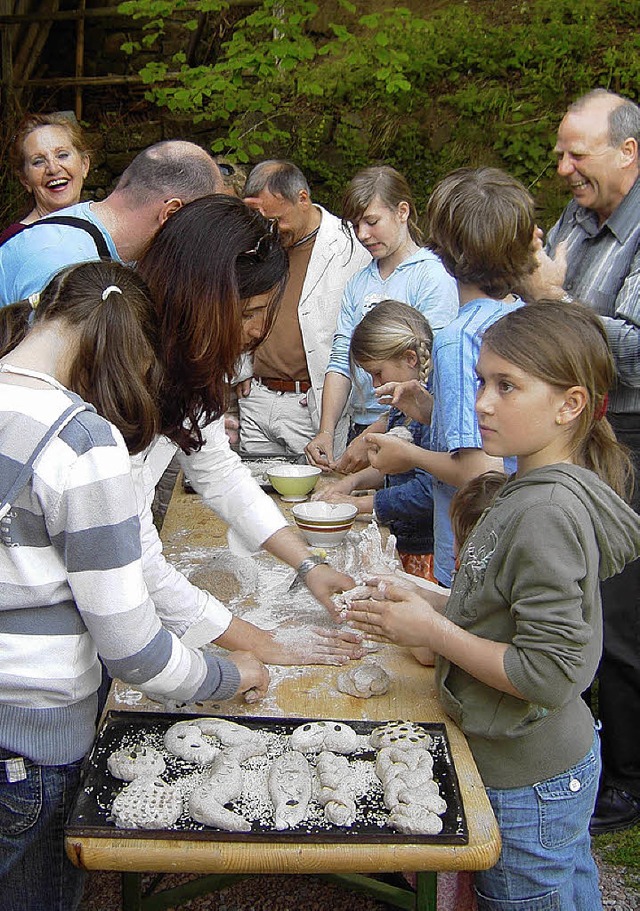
x=72, y=586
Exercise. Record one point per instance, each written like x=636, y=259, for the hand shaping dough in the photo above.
x=337, y=786
x=324, y=735
x=343, y=599
x=290, y=789
x=399, y=734
x=364, y=681
x=402, y=432
x=146, y=803
x=223, y=784
x=136, y=762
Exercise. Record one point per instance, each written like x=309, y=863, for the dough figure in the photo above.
x=290, y=789
x=364, y=681
x=222, y=785
x=146, y=803
x=136, y=762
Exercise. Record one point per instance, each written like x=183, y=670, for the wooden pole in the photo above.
x=82, y=6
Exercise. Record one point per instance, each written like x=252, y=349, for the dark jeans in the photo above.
x=619, y=672
x=35, y=873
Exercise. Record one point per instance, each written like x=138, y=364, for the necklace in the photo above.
x=307, y=237
x=32, y=374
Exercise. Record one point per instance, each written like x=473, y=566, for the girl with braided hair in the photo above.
x=392, y=343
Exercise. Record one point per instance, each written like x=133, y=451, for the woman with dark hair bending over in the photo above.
x=216, y=272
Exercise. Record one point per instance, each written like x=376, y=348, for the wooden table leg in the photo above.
x=426, y=891
x=131, y=891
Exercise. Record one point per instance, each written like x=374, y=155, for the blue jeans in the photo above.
x=546, y=862
x=35, y=873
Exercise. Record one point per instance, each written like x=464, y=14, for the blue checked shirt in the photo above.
x=604, y=272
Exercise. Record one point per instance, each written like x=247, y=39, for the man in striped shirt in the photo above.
x=593, y=254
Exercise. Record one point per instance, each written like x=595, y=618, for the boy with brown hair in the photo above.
x=481, y=223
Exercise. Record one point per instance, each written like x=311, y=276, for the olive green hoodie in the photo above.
x=529, y=576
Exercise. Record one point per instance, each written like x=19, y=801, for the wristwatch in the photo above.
x=308, y=564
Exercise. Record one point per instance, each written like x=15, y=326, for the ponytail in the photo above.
x=116, y=366
x=14, y=325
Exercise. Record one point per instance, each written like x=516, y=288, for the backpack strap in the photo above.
x=26, y=472
x=72, y=221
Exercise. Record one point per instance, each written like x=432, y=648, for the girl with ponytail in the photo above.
x=520, y=636
x=72, y=587
x=392, y=343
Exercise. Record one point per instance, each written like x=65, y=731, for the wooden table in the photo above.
x=311, y=693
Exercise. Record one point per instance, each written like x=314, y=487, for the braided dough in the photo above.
x=337, y=786
x=290, y=789
x=324, y=735
x=146, y=803
x=410, y=792
x=207, y=800
x=136, y=762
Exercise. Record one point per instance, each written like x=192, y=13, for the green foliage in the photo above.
x=466, y=84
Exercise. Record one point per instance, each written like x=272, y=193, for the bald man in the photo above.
x=157, y=183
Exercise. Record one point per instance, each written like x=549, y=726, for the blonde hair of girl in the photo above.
x=390, y=330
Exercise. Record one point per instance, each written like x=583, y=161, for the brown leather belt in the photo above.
x=276, y=385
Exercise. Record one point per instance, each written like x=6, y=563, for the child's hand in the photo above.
x=410, y=397
x=334, y=496
x=389, y=454
x=354, y=458
x=333, y=488
x=254, y=677
x=393, y=613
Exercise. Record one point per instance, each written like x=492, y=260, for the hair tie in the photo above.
x=34, y=299
x=600, y=412
x=107, y=291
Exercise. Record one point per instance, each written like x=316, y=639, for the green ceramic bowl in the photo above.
x=293, y=482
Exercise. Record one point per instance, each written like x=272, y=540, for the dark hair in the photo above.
x=168, y=169
x=206, y=260
x=391, y=188
x=389, y=330
x=624, y=116
x=14, y=325
x=566, y=345
x=116, y=367
x=470, y=501
x=480, y=222
x=33, y=122
x=279, y=177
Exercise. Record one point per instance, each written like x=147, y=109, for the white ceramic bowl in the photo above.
x=293, y=482
x=324, y=524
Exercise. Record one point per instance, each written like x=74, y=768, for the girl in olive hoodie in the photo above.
x=520, y=637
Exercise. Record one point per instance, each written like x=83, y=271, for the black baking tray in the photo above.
x=249, y=457
x=89, y=816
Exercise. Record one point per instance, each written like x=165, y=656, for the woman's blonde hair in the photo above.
x=390, y=330
x=566, y=345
